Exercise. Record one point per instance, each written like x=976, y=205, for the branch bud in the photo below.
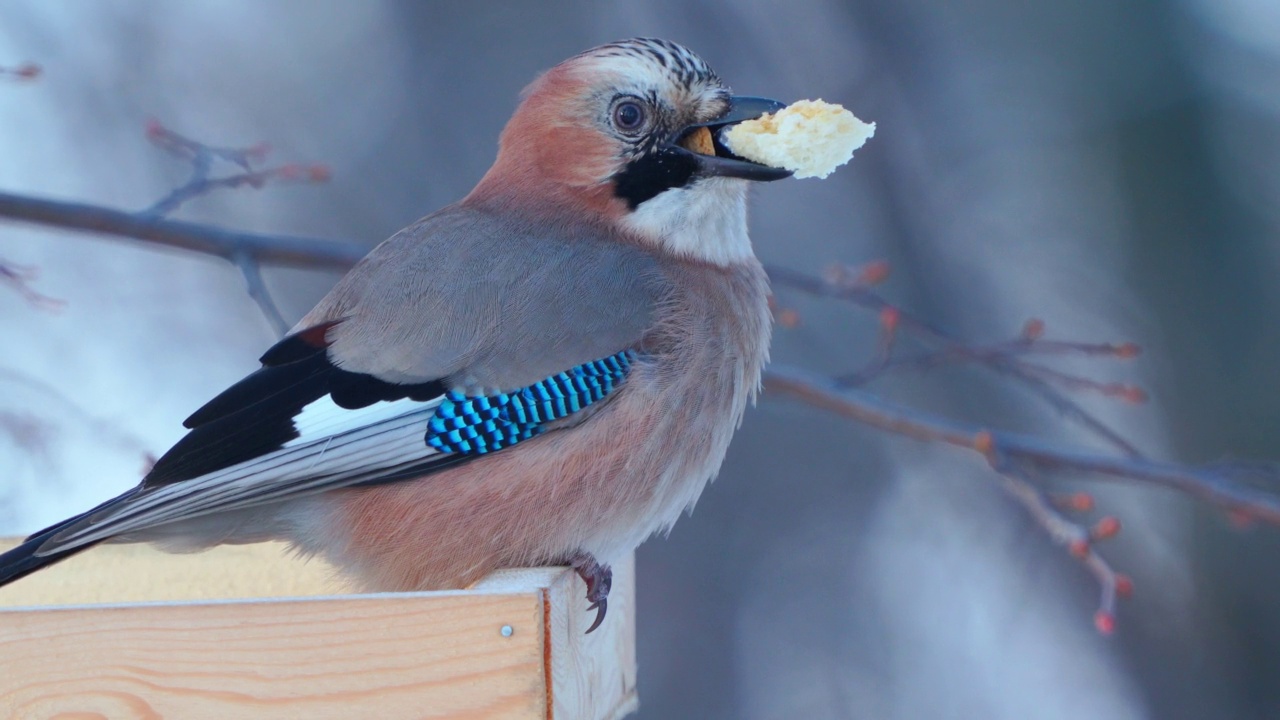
x=1075, y=502
x=1106, y=528
x=1079, y=548
x=1241, y=519
x=1105, y=622
x=889, y=318
x=874, y=273
x=984, y=442
x=1124, y=586
x=1128, y=350
x=1129, y=393
x=1134, y=394
x=155, y=129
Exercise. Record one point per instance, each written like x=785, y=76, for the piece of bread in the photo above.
x=810, y=137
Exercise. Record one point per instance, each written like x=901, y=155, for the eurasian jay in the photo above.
x=546, y=372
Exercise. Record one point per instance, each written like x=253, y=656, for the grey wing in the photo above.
x=501, y=310
x=458, y=301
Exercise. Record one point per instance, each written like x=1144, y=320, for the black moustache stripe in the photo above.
x=650, y=175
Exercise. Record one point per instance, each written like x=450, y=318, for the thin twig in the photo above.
x=23, y=72
x=258, y=291
x=197, y=186
x=1076, y=538
x=203, y=158
x=19, y=279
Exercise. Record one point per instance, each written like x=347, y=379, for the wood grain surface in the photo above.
x=591, y=676
x=398, y=655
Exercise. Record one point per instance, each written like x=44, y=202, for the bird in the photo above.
x=546, y=372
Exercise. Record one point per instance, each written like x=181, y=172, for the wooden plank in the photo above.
x=401, y=655
x=396, y=656
x=591, y=676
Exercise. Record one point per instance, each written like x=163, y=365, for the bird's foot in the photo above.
x=599, y=580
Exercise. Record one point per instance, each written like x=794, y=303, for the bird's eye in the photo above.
x=628, y=116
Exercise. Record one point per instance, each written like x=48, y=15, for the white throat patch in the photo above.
x=705, y=220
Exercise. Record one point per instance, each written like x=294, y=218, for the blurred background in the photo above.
x=1110, y=166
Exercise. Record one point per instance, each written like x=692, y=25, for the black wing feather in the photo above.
x=255, y=416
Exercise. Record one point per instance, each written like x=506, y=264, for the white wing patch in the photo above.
x=323, y=419
x=336, y=447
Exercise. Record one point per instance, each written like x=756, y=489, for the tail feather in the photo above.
x=24, y=560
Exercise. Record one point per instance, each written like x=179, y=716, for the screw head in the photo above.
x=507, y=631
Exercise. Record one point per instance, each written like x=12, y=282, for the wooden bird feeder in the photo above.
x=123, y=632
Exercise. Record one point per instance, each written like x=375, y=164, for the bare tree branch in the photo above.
x=1220, y=484
x=287, y=250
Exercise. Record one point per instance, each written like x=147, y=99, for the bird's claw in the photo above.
x=599, y=580
x=600, y=606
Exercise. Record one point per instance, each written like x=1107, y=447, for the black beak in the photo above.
x=742, y=107
x=723, y=163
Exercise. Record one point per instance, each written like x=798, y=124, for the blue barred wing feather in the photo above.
x=477, y=425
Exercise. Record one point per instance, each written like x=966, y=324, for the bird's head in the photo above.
x=628, y=133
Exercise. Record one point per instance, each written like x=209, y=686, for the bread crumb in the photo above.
x=809, y=137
